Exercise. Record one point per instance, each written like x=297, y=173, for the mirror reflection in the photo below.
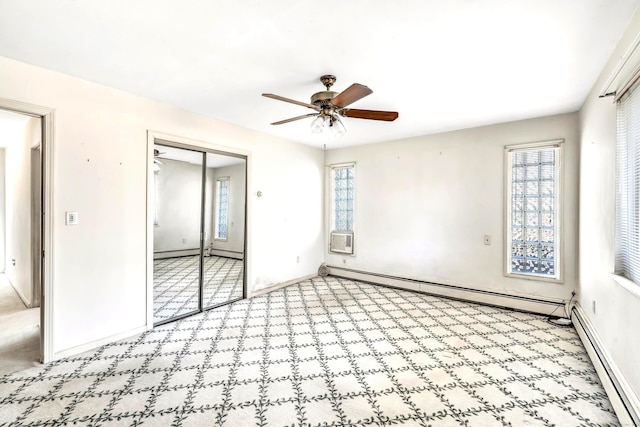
x=223, y=272
x=199, y=231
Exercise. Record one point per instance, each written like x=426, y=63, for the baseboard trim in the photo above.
x=24, y=299
x=224, y=253
x=622, y=398
x=175, y=254
x=191, y=252
x=97, y=343
x=516, y=302
x=281, y=285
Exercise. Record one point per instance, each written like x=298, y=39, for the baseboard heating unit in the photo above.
x=622, y=398
x=516, y=302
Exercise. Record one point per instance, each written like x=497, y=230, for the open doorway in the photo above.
x=26, y=144
x=20, y=239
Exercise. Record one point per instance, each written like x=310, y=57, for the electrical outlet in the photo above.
x=487, y=239
x=593, y=306
x=184, y=240
x=298, y=259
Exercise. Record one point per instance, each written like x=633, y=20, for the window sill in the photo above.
x=629, y=285
x=535, y=278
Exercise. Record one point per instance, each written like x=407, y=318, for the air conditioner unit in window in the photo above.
x=341, y=243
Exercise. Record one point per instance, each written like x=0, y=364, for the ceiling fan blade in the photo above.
x=293, y=119
x=350, y=95
x=387, y=116
x=292, y=101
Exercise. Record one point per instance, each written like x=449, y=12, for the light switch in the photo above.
x=71, y=218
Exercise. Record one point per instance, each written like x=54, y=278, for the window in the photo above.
x=222, y=207
x=628, y=187
x=533, y=226
x=342, y=189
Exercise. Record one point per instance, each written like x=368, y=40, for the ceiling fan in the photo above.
x=329, y=106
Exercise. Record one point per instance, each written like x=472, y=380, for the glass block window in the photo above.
x=342, y=177
x=222, y=207
x=533, y=206
x=627, y=238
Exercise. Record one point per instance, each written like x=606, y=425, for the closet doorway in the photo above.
x=199, y=211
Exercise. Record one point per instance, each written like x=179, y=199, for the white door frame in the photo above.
x=177, y=141
x=46, y=307
x=36, y=224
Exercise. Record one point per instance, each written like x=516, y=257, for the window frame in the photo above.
x=558, y=210
x=332, y=200
x=216, y=227
x=621, y=274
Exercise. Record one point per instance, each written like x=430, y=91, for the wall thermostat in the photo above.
x=71, y=218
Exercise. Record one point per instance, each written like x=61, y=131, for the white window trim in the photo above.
x=627, y=284
x=215, y=213
x=558, y=210
x=156, y=222
x=332, y=202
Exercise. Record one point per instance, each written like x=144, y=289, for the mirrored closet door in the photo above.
x=199, y=231
x=223, y=257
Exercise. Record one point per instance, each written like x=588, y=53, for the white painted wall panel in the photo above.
x=179, y=206
x=18, y=209
x=424, y=204
x=617, y=311
x=2, y=206
x=100, y=159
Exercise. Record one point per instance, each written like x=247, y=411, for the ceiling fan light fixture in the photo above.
x=317, y=125
x=336, y=127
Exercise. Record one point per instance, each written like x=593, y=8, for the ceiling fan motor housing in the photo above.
x=323, y=98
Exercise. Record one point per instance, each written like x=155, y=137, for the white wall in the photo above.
x=2, y=206
x=424, y=204
x=235, y=221
x=100, y=159
x=289, y=210
x=18, y=209
x=617, y=313
x=179, y=199
x=179, y=206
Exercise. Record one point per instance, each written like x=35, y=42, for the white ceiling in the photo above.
x=195, y=157
x=442, y=65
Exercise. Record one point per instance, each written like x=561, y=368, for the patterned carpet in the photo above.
x=175, y=284
x=324, y=352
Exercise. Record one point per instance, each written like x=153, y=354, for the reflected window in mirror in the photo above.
x=222, y=207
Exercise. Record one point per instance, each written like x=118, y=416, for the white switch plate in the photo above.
x=71, y=218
